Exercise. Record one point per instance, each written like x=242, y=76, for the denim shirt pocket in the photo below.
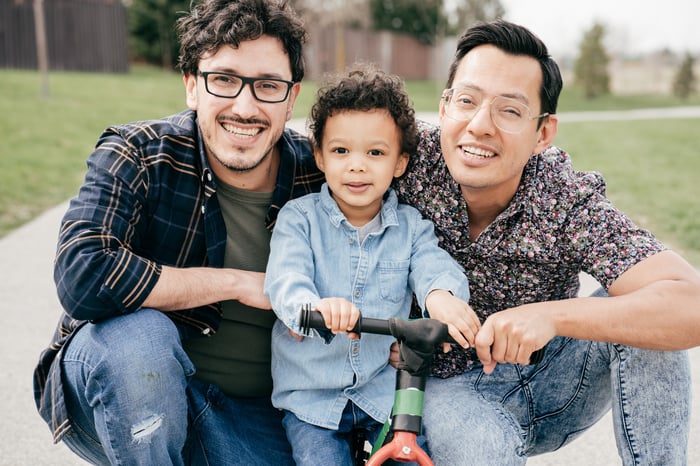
x=393, y=280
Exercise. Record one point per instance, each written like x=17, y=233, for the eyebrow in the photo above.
x=238, y=73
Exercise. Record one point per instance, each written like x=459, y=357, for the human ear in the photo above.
x=190, y=81
x=293, y=94
x=401, y=165
x=546, y=133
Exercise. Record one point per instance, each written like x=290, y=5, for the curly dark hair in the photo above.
x=212, y=24
x=365, y=87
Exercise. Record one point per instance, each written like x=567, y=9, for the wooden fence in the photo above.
x=81, y=35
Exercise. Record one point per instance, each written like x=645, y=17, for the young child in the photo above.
x=347, y=249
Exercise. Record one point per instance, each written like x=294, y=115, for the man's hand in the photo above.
x=512, y=335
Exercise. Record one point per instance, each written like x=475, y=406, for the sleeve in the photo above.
x=96, y=270
x=607, y=242
x=290, y=270
x=433, y=268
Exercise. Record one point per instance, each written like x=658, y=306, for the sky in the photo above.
x=633, y=27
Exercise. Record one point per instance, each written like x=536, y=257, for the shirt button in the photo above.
x=351, y=240
x=208, y=176
x=204, y=209
x=206, y=331
x=357, y=293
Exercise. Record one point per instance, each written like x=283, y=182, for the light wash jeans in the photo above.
x=520, y=411
x=132, y=400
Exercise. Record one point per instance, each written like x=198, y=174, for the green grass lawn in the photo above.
x=650, y=166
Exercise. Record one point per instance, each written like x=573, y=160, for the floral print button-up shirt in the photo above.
x=558, y=224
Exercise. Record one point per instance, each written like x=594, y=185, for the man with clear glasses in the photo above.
x=507, y=113
x=523, y=223
x=163, y=354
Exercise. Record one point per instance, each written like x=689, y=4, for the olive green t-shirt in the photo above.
x=237, y=357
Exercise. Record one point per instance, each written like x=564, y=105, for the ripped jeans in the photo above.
x=132, y=400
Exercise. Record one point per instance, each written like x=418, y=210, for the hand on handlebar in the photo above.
x=513, y=336
x=462, y=322
x=340, y=315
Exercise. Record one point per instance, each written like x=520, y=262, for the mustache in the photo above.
x=245, y=121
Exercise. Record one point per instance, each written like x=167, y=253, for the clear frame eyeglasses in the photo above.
x=509, y=115
x=229, y=86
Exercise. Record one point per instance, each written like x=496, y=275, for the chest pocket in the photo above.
x=393, y=280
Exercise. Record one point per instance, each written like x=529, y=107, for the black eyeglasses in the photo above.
x=229, y=86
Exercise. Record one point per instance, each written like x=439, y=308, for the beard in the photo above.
x=240, y=163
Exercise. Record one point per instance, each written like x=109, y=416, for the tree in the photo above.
x=684, y=81
x=428, y=20
x=591, y=67
x=468, y=12
x=152, y=30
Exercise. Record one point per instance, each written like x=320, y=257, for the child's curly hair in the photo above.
x=365, y=87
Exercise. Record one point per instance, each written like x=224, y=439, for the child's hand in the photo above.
x=340, y=315
x=295, y=335
x=462, y=322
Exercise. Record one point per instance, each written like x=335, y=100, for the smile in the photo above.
x=476, y=152
x=242, y=132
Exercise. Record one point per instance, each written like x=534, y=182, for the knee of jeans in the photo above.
x=142, y=348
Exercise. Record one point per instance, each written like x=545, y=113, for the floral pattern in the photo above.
x=558, y=224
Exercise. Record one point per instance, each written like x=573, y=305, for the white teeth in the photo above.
x=477, y=152
x=241, y=131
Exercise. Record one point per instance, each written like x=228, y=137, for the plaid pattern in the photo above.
x=148, y=200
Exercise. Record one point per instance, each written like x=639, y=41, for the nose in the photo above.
x=482, y=122
x=356, y=162
x=245, y=103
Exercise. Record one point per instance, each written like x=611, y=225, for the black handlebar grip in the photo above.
x=312, y=319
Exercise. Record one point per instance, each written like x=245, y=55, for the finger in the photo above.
x=510, y=354
x=482, y=343
x=336, y=317
x=295, y=335
x=489, y=368
x=457, y=336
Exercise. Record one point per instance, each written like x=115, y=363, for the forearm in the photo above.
x=664, y=316
x=185, y=288
x=654, y=305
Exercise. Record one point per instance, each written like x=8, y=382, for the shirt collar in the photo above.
x=389, y=216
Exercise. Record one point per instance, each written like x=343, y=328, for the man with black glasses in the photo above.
x=163, y=355
x=511, y=209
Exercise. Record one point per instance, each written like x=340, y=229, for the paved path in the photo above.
x=29, y=310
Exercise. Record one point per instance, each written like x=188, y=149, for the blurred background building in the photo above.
x=412, y=38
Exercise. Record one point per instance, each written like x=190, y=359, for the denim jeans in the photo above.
x=314, y=445
x=132, y=400
x=520, y=411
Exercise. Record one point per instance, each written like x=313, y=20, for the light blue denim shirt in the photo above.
x=314, y=254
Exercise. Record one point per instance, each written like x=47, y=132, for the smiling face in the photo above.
x=360, y=155
x=240, y=134
x=486, y=161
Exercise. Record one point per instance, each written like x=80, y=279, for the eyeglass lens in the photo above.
x=508, y=115
x=230, y=85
